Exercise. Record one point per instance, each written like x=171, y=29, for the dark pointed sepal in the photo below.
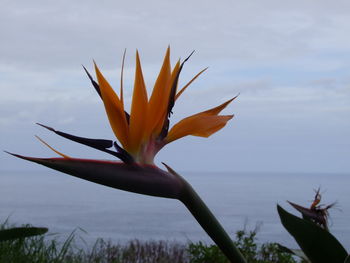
x=164, y=131
x=171, y=100
x=99, y=144
x=93, y=82
x=94, y=143
x=146, y=179
x=127, y=158
x=97, y=88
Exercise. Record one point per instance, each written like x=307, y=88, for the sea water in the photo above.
x=239, y=200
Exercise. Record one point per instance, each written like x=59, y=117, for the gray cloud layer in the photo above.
x=289, y=60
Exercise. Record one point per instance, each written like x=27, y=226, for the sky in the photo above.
x=289, y=61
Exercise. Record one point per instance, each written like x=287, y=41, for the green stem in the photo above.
x=210, y=224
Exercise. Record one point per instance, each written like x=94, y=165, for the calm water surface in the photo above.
x=62, y=203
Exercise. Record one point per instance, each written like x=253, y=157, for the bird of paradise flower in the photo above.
x=141, y=135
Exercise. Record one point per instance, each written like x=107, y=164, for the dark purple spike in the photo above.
x=171, y=101
x=125, y=156
x=165, y=129
x=97, y=88
x=95, y=143
x=173, y=88
x=127, y=116
x=127, y=159
x=93, y=82
x=99, y=144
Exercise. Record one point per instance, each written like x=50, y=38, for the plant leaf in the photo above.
x=296, y=252
x=319, y=245
x=21, y=232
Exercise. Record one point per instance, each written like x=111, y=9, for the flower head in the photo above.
x=140, y=133
x=144, y=131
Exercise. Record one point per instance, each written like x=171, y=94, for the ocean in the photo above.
x=239, y=200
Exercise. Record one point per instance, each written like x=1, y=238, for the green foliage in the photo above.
x=202, y=253
x=246, y=243
x=35, y=249
x=318, y=245
x=136, y=252
x=21, y=232
x=270, y=252
x=47, y=249
x=297, y=252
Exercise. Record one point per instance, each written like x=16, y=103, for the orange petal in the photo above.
x=139, y=106
x=164, y=102
x=200, y=124
x=121, y=79
x=159, y=93
x=189, y=83
x=114, y=109
x=219, y=108
x=53, y=149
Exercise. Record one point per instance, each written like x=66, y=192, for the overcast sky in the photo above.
x=289, y=60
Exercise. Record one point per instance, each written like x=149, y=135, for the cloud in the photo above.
x=61, y=34
x=288, y=60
